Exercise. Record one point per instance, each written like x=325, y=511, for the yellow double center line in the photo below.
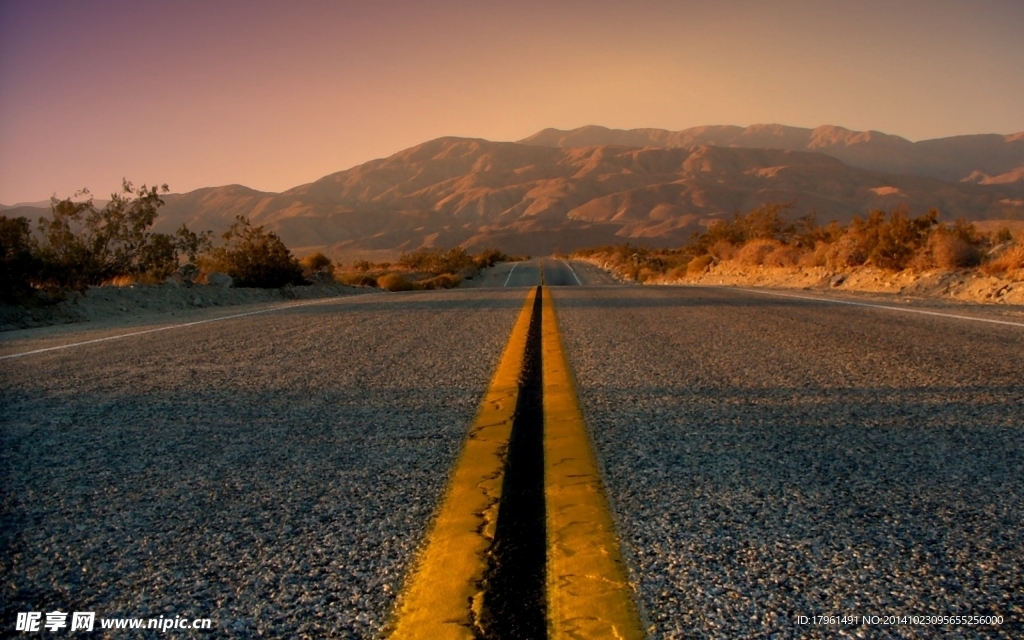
x=587, y=594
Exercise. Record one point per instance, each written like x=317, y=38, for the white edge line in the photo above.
x=573, y=272
x=510, y=274
x=877, y=306
x=173, y=326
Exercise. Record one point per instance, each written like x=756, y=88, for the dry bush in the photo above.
x=722, y=251
x=950, y=251
x=818, y=257
x=845, y=253
x=436, y=261
x=699, y=265
x=317, y=263
x=443, y=281
x=1010, y=260
x=395, y=282
x=784, y=256
x=647, y=274
x=679, y=272
x=356, y=279
x=754, y=252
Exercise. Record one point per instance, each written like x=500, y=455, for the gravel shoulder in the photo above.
x=769, y=458
x=273, y=472
x=138, y=304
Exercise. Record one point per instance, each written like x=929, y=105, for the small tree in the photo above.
x=254, y=257
x=82, y=245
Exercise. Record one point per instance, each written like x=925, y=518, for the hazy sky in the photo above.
x=276, y=94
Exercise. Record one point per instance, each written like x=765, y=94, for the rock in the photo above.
x=197, y=302
x=220, y=280
x=837, y=280
x=175, y=280
x=187, y=272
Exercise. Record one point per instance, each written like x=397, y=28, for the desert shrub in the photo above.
x=647, y=274
x=357, y=279
x=784, y=255
x=395, y=282
x=722, y=251
x=677, y=273
x=1009, y=260
x=1003, y=236
x=490, y=257
x=891, y=243
x=950, y=250
x=253, y=257
x=81, y=245
x=699, y=265
x=19, y=265
x=847, y=252
x=817, y=257
x=894, y=240
x=443, y=281
x=436, y=261
x=764, y=223
x=317, y=263
x=754, y=252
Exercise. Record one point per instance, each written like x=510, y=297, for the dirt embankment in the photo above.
x=106, y=302
x=961, y=286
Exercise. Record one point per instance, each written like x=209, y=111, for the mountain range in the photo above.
x=561, y=190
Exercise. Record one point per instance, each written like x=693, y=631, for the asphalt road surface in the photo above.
x=771, y=458
x=557, y=273
x=766, y=458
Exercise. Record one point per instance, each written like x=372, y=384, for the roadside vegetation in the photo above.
x=422, y=269
x=80, y=245
x=766, y=237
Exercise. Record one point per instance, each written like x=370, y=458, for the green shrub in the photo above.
x=253, y=257
x=81, y=245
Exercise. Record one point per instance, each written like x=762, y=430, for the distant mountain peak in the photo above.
x=952, y=159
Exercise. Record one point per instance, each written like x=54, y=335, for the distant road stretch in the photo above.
x=767, y=459
x=557, y=273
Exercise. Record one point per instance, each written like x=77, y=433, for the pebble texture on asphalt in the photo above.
x=274, y=473
x=769, y=458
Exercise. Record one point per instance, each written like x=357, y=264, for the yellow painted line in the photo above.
x=443, y=598
x=589, y=595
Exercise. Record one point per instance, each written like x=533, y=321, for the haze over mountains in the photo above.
x=561, y=190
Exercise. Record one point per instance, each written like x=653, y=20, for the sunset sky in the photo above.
x=272, y=94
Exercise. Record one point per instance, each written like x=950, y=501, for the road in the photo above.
x=765, y=458
x=557, y=273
